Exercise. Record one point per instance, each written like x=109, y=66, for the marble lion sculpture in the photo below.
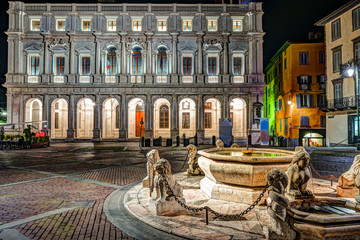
x=219, y=143
x=347, y=179
x=299, y=175
x=152, y=157
x=194, y=168
x=234, y=145
x=161, y=192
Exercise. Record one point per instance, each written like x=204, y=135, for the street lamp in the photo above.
x=348, y=70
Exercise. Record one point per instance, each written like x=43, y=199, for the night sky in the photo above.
x=283, y=20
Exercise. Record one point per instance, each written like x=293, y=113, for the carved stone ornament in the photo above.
x=60, y=43
x=152, y=158
x=194, y=168
x=130, y=42
x=213, y=43
x=219, y=143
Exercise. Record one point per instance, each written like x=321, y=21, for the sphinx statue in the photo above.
x=219, y=143
x=194, y=168
x=163, y=201
x=299, y=174
x=152, y=158
x=347, y=187
x=277, y=203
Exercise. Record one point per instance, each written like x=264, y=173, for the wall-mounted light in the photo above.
x=289, y=102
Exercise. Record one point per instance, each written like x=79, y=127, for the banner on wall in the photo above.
x=264, y=131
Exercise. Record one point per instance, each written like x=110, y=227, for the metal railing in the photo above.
x=338, y=103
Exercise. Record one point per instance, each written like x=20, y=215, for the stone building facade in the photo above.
x=123, y=71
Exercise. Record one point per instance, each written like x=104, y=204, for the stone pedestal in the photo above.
x=96, y=135
x=148, y=79
x=174, y=79
x=201, y=136
x=97, y=79
x=122, y=135
x=148, y=133
x=123, y=79
x=226, y=78
x=200, y=78
x=45, y=79
x=346, y=192
x=165, y=208
x=174, y=133
x=71, y=79
x=70, y=135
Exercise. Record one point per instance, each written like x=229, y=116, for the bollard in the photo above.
x=178, y=141
x=207, y=216
x=213, y=140
x=142, y=141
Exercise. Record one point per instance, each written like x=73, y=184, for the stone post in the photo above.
x=148, y=74
x=123, y=118
x=199, y=76
x=174, y=72
x=97, y=122
x=226, y=76
x=71, y=130
x=200, y=120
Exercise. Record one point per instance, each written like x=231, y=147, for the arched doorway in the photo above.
x=85, y=118
x=212, y=109
x=59, y=118
x=33, y=112
x=238, y=116
x=187, y=117
x=111, y=118
x=136, y=116
x=162, y=118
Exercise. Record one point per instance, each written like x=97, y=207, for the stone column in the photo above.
x=9, y=112
x=174, y=72
x=45, y=79
x=148, y=117
x=11, y=56
x=226, y=76
x=123, y=74
x=71, y=130
x=199, y=70
x=174, y=117
x=259, y=60
x=72, y=63
x=200, y=120
x=97, y=76
x=123, y=118
x=45, y=113
x=226, y=107
x=148, y=75
x=97, y=122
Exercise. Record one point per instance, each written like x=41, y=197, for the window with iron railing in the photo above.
x=304, y=100
x=304, y=82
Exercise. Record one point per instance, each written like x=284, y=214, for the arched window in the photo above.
x=137, y=68
x=111, y=62
x=117, y=116
x=164, y=116
x=162, y=62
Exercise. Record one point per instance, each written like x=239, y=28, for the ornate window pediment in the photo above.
x=58, y=45
x=213, y=45
x=35, y=48
x=84, y=50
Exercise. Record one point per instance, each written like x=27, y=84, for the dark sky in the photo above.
x=283, y=20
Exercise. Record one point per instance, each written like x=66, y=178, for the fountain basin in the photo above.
x=232, y=176
x=325, y=218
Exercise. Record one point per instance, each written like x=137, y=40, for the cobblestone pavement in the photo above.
x=69, y=183
x=59, y=192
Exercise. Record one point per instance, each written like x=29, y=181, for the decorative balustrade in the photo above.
x=338, y=104
x=149, y=8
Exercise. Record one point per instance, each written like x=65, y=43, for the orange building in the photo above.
x=301, y=87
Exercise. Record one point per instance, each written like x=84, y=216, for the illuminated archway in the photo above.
x=59, y=118
x=238, y=116
x=33, y=112
x=85, y=118
x=212, y=109
x=187, y=118
x=111, y=119
x=162, y=119
x=136, y=116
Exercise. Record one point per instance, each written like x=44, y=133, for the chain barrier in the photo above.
x=208, y=209
x=332, y=177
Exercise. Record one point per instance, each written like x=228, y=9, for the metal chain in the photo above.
x=218, y=215
x=318, y=174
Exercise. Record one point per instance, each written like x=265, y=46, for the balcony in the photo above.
x=338, y=104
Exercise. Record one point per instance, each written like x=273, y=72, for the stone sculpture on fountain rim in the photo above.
x=347, y=186
x=152, y=157
x=219, y=143
x=194, y=168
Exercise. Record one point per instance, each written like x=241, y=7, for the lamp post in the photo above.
x=349, y=69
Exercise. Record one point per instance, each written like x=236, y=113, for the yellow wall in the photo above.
x=290, y=88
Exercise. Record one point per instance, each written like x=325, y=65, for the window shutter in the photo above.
x=311, y=100
x=298, y=103
x=298, y=80
x=309, y=79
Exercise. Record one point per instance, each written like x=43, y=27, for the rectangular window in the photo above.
x=86, y=25
x=357, y=50
x=111, y=25
x=208, y=106
x=137, y=62
x=304, y=100
x=187, y=25
x=322, y=82
x=304, y=58
x=186, y=120
x=208, y=120
x=60, y=25
x=60, y=66
x=335, y=30
x=338, y=90
x=304, y=121
x=187, y=66
x=35, y=65
x=212, y=25
x=356, y=18
x=286, y=124
x=280, y=120
x=237, y=61
x=321, y=100
x=164, y=117
x=162, y=25
x=212, y=69
x=56, y=120
x=304, y=82
x=321, y=57
x=285, y=63
x=280, y=104
x=276, y=107
x=35, y=24
x=237, y=25
x=136, y=25
x=111, y=63
x=336, y=61
x=322, y=121
x=85, y=66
